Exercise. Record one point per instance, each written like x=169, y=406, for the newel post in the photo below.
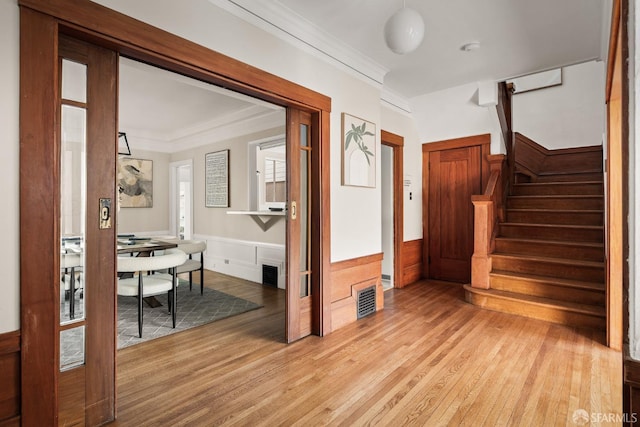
x=483, y=224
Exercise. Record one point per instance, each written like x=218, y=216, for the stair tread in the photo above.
x=555, y=196
x=574, y=262
x=541, y=301
x=533, y=184
x=596, y=286
x=555, y=210
x=530, y=224
x=552, y=242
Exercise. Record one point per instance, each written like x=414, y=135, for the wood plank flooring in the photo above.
x=427, y=359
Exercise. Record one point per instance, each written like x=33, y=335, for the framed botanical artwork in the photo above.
x=217, y=179
x=135, y=182
x=358, y=151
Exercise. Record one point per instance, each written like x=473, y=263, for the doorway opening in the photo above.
x=177, y=124
x=181, y=203
x=392, y=209
x=388, y=262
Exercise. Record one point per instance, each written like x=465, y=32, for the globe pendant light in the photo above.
x=404, y=31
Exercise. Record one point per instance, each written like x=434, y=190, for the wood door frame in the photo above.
x=396, y=142
x=484, y=141
x=40, y=24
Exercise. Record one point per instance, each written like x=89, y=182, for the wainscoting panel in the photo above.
x=10, y=375
x=242, y=258
x=412, y=254
x=347, y=279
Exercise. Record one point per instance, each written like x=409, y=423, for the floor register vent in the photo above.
x=366, y=301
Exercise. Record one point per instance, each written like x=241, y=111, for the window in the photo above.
x=275, y=171
x=268, y=174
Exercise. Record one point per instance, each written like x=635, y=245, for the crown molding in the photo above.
x=395, y=101
x=280, y=21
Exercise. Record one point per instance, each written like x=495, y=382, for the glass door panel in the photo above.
x=73, y=148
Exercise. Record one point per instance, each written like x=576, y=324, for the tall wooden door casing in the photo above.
x=452, y=176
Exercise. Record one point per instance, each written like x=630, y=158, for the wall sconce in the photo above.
x=123, y=144
x=404, y=31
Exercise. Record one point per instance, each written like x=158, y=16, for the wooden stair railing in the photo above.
x=533, y=162
x=488, y=211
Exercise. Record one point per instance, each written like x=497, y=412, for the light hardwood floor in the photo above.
x=427, y=359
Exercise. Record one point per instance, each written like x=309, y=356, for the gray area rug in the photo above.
x=193, y=310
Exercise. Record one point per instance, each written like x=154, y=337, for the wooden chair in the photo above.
x=191, y=248
x=155, y=284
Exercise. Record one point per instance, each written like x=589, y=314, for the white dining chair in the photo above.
x=70, y=264
x=191, y=248
x=146, y=285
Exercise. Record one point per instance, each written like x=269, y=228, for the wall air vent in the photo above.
x=366, y=301
x=270, y=275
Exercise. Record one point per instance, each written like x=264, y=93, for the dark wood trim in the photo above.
x=412, y=256
x=347, y=278
x=396, y=142
x=613, y=46
x=10, y=374
x=9, y=343
x=104, y=27
x=323, y=209
x=631, y=390
x=39, y=217
x=534, y=160
x=484, y=142
x=355, y=262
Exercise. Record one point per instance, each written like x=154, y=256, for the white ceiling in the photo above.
x=516, y=37
x=164, y=111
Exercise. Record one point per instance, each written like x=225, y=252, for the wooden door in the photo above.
x=87, y=156
x=299, y=235
x=454, y=176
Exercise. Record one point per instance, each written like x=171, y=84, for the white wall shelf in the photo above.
x=259, y=217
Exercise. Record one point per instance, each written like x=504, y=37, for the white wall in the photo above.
x=454, y=113
x=9, y=172
x=215, y=221
x=569, y=115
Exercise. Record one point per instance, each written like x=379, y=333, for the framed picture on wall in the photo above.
x=217, y=179
x=135, y=183
x=358, y=151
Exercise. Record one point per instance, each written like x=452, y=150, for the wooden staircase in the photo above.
x=548, y=258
